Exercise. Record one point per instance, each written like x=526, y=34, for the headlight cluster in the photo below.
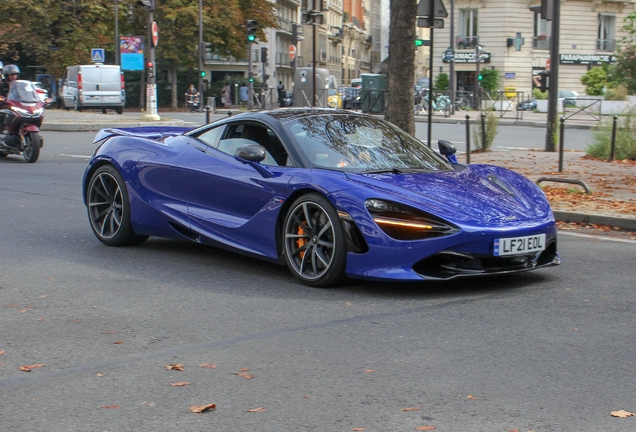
x=20, y=110
x=402, y=222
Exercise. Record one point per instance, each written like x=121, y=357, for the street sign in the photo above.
x=424, y=9
x=97, y=55
x=448, y=55
x=292, y=52
x=422, y=22
x=155, y=34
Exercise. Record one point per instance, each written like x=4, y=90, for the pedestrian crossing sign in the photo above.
x=97, y=55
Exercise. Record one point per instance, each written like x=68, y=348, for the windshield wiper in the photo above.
x=382, y=171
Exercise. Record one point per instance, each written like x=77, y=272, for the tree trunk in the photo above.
x=401, y=80
x=173, y=80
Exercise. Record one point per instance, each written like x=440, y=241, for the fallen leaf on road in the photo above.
x=207, y=365
x=410, y=409
x=29, y=367
x=111, y=406
x=118, y=342
x=242, y=374
x=426, y=428
x=1, y=352
x=471, y=397
x=109, y=332
x=357, y=429
x=370, y=370
x=179, y=384
x=200, y=408
x=175, y=366
x=621, y=414
x=259, y=409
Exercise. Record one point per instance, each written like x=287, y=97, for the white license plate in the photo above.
x=519, y=245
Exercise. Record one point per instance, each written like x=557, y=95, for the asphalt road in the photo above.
x=550, y=350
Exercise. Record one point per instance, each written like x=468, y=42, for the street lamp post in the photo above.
x=151, y=85
x=117, y=61
x=201, y=50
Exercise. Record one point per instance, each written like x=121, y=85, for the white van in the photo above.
x=95, y=86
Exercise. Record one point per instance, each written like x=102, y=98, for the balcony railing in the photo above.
x=541, y=42
x=282, y=59
x=608, y=45
x=467, y=42
x=285, y=25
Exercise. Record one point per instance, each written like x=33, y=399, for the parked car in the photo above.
x=94, y=86
x=41, y=91
x=527, y=105
x=328, y=193
x=567, y=97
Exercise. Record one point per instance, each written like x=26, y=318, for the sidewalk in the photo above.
x=613, y=184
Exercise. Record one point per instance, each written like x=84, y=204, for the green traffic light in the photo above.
x=202, y=73
x=419, y=42
x=479, y=77
x=251, y=38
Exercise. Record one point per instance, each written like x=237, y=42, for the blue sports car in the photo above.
x=330, y=193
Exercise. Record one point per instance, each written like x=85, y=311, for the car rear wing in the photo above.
x=149, y=132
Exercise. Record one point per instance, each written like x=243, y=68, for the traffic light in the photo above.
x=480, y=77
x=148, y=5
x=151, y=69
x=419, y=42
x=202, y=74
x=263, y=55
x=251, y=77
x=251, y=26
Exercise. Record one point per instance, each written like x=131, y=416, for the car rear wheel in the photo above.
x=119, y=110
x=314, y=242
x=109, y=208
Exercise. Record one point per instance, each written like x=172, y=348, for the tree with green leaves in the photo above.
x=626, y=55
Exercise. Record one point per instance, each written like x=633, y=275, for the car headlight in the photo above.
x=402, y=222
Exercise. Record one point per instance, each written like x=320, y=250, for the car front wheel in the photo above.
x=314, y=242
x=109, y=208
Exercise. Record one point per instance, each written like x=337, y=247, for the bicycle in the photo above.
x=440, y=103
x=462, y=103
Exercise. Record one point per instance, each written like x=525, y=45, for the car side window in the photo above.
x=276, y=153
x=211, y=136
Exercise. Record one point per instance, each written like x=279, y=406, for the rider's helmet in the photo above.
x=11, y=69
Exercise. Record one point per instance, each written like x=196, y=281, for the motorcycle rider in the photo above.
x=11, y=73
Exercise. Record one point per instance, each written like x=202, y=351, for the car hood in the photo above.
x=477, y=195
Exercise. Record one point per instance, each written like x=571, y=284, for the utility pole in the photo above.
x=250, y=28
x=451, y=63
x=153, y=40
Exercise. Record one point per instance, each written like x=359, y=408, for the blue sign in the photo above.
x=511, y=75
x=97, y=55
x=132, y=62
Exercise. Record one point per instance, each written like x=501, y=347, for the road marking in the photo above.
x=596, y=237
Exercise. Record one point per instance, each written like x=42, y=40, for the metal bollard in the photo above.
x=561, y=139
x=467, y=139
x=229, y=113
x=207, y=114
x=483, y=131
x=613, y=143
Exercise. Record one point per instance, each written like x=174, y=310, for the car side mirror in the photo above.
x=446, y=148
x=251, y=152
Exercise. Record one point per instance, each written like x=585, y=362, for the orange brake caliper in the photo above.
x=301, y=241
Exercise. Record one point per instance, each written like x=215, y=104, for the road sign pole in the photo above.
x=431, y=23
x=151, y=85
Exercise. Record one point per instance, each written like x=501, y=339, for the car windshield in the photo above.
x=23, y=91
x=354, y=143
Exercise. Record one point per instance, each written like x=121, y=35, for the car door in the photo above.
x=228, y=200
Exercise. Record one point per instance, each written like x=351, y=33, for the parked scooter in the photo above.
x=22, y=112
x=192, y=102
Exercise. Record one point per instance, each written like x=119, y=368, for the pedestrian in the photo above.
x=226, y=96
x=244, y=94
x=281, y=93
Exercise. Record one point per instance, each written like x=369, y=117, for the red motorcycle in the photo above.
x=22, y=112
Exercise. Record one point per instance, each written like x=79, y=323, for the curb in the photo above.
x=619, y=222
x=93, y=127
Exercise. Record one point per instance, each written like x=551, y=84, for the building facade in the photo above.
x=516, y=41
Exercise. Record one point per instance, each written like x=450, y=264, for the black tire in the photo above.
x=119, y=110
x=462, y=104
x=2, y=155
x=108, y=208
x=314, y=243
x=104, y=111
x=32, y=145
